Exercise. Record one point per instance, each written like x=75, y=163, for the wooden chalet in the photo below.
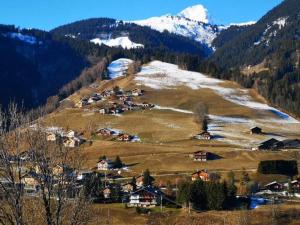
x=124, y=137
x=147, y=197
x=255, y=130
x=203, y=136
x=201, y=156
x=274, y=186
x=139, y=181
x=202, y=174
x=105, y=164
x=106, y=193
x=127, y=188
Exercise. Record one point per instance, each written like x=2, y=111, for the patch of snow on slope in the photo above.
x=243, y=24
x=22, y=37
x=280, y=22
x=123, y=42
x=160, y=75
x=173, y=109
x=271, y=31
x=118, y=68
x=196, y=13
x=191, y=23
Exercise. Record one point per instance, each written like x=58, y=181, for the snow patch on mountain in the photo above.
x=271, y=31
x=280, y=22
x=118, y=68
x=196, y=13
x=249, y=23
x=159, y=75
x=191, y=22
x=123, y=42
x=22, y=37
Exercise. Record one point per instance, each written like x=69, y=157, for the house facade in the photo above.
x=105, y=164
x=202, y=174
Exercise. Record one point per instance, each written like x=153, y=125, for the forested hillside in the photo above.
x=266, y=56
x=37, y=64
x=34, y=65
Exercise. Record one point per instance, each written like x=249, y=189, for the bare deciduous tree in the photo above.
x=200, y=116
x=26, y=156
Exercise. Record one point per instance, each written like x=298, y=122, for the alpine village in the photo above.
x=171, y=120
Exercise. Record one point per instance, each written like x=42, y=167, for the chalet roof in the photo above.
x=200, y=152
x=149, y=189
x=272, y=183
x=105, y=161
x=254, y=128
x=291, y=143
x=200, y=171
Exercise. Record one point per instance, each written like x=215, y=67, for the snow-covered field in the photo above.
x=159, y=75
x=123, y=42
x=118, y=67
x=233, y=130
x=173, y=109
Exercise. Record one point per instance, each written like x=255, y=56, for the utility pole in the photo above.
x=161, y=208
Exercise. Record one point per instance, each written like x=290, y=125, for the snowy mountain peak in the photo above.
x=196, y=13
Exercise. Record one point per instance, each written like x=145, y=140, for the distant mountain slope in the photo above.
x=278, y=29
x=266, y=55
x=34, y=66
x=192, y=22
x=104, y=29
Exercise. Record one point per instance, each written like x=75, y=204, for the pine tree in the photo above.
x=205, y=124
x=198, y=195
x=133, y=182
x=184, y=193
x=118, y=163
x=147, y=179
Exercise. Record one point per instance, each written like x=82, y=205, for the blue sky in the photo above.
x=47, y=14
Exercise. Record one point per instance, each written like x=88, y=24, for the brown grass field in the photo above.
x=167, y=143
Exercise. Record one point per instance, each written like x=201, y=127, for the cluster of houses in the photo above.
x=273, y=144
x=70, y=139
x=136, y=194
x=281, y=187
x=117, y=135
x=114, y=108
x=115, y=101
x=205, y=175
x=32, y=176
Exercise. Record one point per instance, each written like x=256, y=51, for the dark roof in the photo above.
x=271, y=144
x=291, y=143
x=256, y=128
x=149, y=189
